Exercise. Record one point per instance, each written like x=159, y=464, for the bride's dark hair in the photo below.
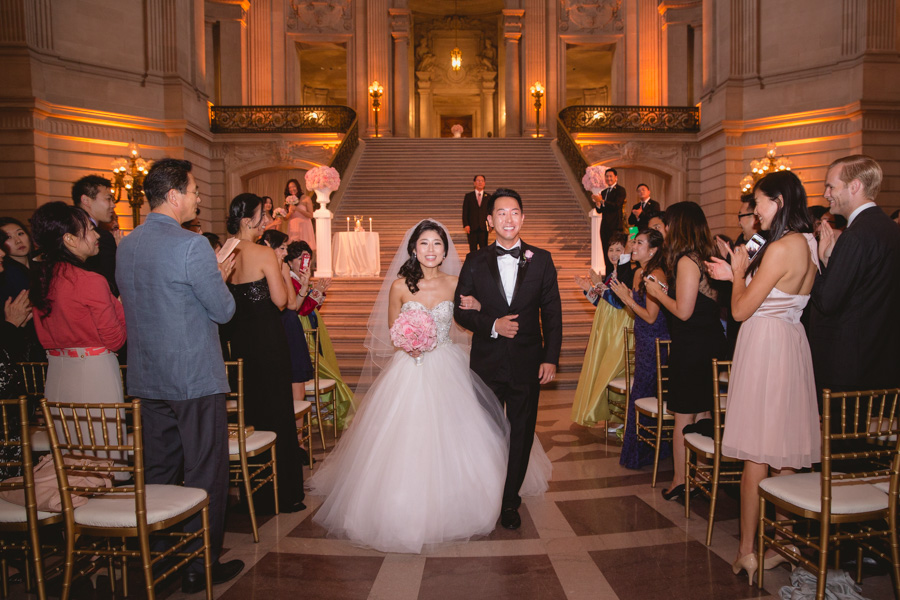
x=411, y=269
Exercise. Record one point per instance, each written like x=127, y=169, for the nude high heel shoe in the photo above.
x=776, y=559
x=747, y=563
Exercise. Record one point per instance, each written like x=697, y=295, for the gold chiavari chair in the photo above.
x=655, y=409
x=135, y=510
x=860, y=449
x=704, y=466
x=20, y=525
x=303, y=416
x=320, y=387
x=621, y=386
x=245, y=443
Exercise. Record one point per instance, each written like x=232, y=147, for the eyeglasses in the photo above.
x=194, y=192
x=742, y=215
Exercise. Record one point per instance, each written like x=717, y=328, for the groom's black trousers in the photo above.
x=521, y=402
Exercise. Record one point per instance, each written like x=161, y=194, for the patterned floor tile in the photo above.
x=618, y=514
x=494, y=578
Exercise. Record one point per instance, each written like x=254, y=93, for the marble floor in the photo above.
x=600, y=532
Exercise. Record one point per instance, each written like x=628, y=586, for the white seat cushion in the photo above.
x=118, y=510
x=324, y=384
x=40, y=439
x=723, y=377
x=651, y=405
x=701, y=442
x=804, y=490
x=301, y=405
x=231, y=405
x=255, y=441
x=617, y=384
x=884, y=486
x=15, y=513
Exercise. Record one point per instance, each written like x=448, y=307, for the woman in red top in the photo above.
x=78, y=320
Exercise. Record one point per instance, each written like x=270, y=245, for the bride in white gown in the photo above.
x=424, y=461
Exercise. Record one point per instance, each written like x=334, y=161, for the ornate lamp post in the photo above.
x=376, y=91
x=455, y=54
x=763, y=166
x=128, y=174
x=537, y=92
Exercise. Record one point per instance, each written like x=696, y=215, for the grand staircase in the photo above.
x=398, y=182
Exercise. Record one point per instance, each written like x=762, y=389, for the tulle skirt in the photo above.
x=424, y=461
x=772, y=415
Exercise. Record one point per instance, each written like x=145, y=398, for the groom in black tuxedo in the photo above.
x=517, y=331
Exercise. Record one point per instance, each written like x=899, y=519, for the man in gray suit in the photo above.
x=175, y=297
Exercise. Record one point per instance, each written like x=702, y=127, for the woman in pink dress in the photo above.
x=299, y=214
x=772, y=419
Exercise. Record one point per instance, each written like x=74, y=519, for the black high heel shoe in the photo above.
x=674, y=493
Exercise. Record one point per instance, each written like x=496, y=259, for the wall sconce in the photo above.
x=376, y=91
x=537, y=92
x=128, y=175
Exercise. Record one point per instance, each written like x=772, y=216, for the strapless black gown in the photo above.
x=257, y=335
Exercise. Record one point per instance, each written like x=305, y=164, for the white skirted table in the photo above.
x=356, y=254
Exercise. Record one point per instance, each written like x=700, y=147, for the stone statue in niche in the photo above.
x=320, y=15
x=593, y=15
x=424, y=58
x=488, y=55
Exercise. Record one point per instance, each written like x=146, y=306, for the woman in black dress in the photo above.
x=692, y=311
x=256, y=333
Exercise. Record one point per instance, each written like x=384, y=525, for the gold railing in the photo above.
x=281, y=119
x=626, y=119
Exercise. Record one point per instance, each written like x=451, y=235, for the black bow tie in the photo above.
x=514, y=252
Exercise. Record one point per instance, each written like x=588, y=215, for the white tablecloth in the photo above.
x=356, y=254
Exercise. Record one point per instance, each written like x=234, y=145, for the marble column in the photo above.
x=260, y=52
x=488, y=86
x=378, y=42
x=400, y=18
x=162, y=46
x=535, y=52
x=426, y=103
x=744, y=39
x=512, y=33
x=650, y=63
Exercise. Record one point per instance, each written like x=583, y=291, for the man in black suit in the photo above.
x=610, y=203
x=517, y=331
x=854, y=331
x=93, y=195
x=641, y=211
x=475, y=215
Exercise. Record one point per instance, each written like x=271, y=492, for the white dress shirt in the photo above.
x=859, y=210
x=508, y=265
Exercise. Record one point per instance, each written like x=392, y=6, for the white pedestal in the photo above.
x=598, y=264
x=323, y=218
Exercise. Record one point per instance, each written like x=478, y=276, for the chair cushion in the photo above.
x=40, y=439
x=702, y=443
x=324, y=384
x=15, y=513
x=118, y=510
x=231, y=405
x=650, y=405
x=301, y=406
x=617, y=384
x=255, y=441
x=804, y=490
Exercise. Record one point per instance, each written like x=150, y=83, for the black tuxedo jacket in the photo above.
x=651, y=207
x=612, y=211
x=854, y=332
x=104, y=263
x=536, y=301
x=475, y=216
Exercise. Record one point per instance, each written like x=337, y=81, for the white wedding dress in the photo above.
x=424, y=461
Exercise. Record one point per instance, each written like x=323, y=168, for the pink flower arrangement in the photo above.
x=414, y=330
x=457, y=130
x=593, y=179
x=528, y=256
x=322, y=178
x=280, y=212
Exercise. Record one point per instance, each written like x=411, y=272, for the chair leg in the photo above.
x=147, y=565
x=760, y=543
x=248, y=489
x=321, y=421
x=823, y=559
x=207, y=559
x=659, y=424
x=69, y=567
x=687, y=481
x=309, y=441
x=895, y=548
x=275, y=478
x=713, y=495
x=4, y=572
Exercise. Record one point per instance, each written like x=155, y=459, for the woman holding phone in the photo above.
x=772, y=419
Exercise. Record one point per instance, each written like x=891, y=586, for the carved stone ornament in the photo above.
x=281, y=152
x=591, y=15
x=320, y=15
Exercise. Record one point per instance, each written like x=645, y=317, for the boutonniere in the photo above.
x=526, y=258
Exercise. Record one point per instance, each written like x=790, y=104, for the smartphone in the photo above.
x=632, y=232
x=304, y=262
x=664, y=287
x=754, y=244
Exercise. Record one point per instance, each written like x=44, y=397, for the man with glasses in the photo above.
x=747, y=220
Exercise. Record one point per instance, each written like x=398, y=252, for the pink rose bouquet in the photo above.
x=593, y=179
x=322, y=178
x=414, y=330
x=280, y=212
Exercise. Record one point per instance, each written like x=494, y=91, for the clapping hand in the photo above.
x=621, y=290
x=719, y=269
x=584, y=283
x=598, y=200
x=226, y=267
x=469, y=303
x=826, y=242
x=18, y=311
x=322, y=284
x=740, y=260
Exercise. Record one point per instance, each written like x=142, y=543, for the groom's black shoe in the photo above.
x=510, y=519
x=193, y=581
